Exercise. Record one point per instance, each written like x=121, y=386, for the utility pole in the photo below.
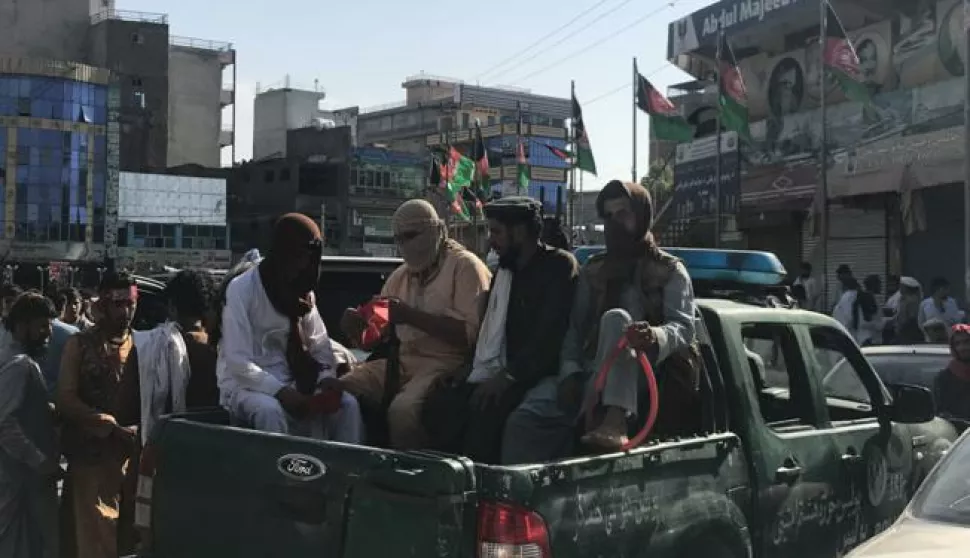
x=966, y=155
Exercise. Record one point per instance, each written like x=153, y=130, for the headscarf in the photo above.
x=294, y=235
x=957, y=366
x=623, y=249
x=419, y=234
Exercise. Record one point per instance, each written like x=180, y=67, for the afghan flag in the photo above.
x=558, y=152
x=841, y=60
x=584, y=153
x=522, y=178
x=434, y=173
x=459, y=170
x=732, y=96
x=665, y=122
x=480, y=157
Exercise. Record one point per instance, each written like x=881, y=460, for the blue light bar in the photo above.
x=745, y=267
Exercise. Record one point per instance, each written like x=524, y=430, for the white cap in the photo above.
x=909, y=282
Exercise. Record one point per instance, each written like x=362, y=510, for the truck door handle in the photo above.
x=789, y=471
x=851, y=456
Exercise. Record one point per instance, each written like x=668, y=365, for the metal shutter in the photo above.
x=857, y=238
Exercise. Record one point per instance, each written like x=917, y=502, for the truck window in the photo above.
x=773, y=354
x=840, y=369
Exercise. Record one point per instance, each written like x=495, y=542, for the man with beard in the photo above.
x=435, y=305
x=98, y=400
x=636, y=290
x=521, y=334
x=276, y=365
x=28, y=441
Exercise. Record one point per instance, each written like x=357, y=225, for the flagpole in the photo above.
x=823, y=154
x=635, y=84
x=717, y=160
x=966, y=147
x=582, y=207
x=571, y=217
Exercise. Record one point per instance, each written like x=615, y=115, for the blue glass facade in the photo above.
x=52, y=132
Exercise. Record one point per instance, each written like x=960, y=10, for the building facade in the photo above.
x=54, y=133
x=441, y=111
x=278, y=111
x=891, y=160
x=166, y=220
x=202, y=102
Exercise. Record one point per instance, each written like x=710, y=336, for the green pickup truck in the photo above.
x=785, y=467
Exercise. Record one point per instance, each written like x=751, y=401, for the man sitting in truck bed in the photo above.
x=436, y=305
x=275, y=353
x=633, y=289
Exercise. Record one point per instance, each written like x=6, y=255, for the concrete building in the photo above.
x=178, y=221
x=134, y=47
x=47, y=29
x=439, y=111
x=276, y=111
x=894, y=173
x=202, y=102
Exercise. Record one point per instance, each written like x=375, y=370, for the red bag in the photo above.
x=377, y=314
x=327, y=402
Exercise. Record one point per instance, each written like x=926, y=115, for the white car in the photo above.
x=936, y=524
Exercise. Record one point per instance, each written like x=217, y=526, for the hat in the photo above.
x=522, y=207
x=909, y=282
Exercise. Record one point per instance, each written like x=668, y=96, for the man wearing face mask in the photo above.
x=636, y=290
x=276, y=364
x=436, y=306
x=29, y=455
x=98, y=400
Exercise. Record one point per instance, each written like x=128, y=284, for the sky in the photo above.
x=361, y=52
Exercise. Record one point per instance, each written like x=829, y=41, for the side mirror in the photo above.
x=911, y=404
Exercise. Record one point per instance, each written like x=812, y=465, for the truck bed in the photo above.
x=250, y=494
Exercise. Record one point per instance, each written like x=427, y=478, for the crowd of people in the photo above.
x=907, y=317
x=496, y=363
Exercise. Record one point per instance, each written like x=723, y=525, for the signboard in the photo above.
x=695, y=176
x=702, y=27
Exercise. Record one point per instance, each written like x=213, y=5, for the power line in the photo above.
x=567, y=37
x=595, y=44
x=543, y=38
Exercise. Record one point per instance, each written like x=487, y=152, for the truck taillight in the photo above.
x=508, y=531
x=143, y=496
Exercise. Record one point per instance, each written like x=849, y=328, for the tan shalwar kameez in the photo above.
x=455, y=289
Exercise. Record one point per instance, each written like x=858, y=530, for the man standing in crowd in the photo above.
x=634, y=289
x=29, y=455
x=520, y=338
x=71, y=308
x=940, y=305
x=275, y=353
x=436, y=303
x=98, y=401
x=810, y=284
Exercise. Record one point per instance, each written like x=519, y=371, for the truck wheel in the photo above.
x=708, y=545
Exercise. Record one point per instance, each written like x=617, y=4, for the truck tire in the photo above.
x=708, y=545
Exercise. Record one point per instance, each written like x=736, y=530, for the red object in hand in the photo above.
x=327, y=402
x=377, y=314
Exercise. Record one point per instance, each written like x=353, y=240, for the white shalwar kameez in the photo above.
x=252, y=366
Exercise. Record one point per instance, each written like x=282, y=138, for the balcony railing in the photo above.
x=129, y=15
x=385, y=106
x=201, y=44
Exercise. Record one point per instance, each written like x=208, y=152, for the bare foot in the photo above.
x=611, y=434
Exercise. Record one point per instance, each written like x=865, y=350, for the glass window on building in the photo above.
x=384, y=180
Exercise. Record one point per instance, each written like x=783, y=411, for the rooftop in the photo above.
x=129, y=15
x=201, y=44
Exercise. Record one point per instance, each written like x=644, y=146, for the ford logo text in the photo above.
x=301, y=467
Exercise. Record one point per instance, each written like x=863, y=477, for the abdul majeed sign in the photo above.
x=703, y=26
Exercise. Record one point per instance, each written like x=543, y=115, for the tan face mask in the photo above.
x=419, y=249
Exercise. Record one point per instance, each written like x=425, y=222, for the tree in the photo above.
x=659, y=180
